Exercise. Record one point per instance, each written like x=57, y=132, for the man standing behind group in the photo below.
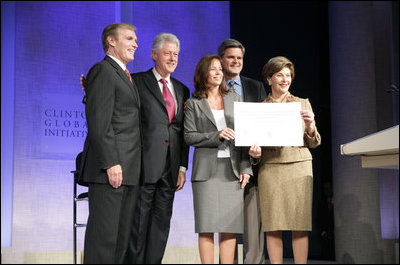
x=112, y=154
x=231, y=52
x=165, y=154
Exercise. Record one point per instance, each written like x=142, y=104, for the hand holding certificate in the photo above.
x=268, y=124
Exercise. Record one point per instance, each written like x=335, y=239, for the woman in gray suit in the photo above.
x=220, y=170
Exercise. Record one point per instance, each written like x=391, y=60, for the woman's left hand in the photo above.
x=244, y=179
x=308, y=117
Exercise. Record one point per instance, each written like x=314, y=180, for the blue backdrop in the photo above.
x=54, y=43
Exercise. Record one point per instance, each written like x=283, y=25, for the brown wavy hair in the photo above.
x=201, y=76
x=275, y=65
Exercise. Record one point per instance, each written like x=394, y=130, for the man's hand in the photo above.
x=115, y=176
x=181, y=180
x=83, y=83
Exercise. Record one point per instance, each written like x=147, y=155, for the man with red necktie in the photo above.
x=111, y=159
x=165, y=154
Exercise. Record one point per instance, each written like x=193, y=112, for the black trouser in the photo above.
x=109, y=223
x=152, y=221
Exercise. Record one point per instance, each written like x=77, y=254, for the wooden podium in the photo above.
x=377, y=150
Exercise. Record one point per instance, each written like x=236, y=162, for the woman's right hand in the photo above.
x=227, y=134
x=255, y=151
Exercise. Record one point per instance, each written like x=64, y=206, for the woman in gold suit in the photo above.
x=285, y=177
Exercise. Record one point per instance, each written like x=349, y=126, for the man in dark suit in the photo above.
x=231, y=52
x=112, y=154
x=165, y=154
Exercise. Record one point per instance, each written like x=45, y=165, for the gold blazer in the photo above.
x=288, y=154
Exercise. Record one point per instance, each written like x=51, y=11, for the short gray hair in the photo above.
x=161, y=38
x=229, y=43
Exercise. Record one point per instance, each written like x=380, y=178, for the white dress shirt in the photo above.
x=123, y=66
x=223, y=148
x=169, y=85
x=172, y=90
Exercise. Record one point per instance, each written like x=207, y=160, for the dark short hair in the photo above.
x=111, y=30
x=229, y=43
x=201, y=76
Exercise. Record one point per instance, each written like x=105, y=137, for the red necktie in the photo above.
x=128, y=74
x=169, y=100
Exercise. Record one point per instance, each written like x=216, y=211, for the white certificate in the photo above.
x=268, y=124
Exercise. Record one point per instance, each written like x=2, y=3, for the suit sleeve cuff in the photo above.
x=254, y=161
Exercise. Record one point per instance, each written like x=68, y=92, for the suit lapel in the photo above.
x=154, y=88
x=132, y=85
x=244, y=85
x=228, y=109
x=124, y=77
x=136, y=92
x=205, y=108
x=179, y=95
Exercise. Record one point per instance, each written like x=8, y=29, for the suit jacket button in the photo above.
x=166, y=141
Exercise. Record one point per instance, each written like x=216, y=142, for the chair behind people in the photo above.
x=81, y=197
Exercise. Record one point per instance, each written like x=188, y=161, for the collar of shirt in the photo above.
x=237, y=86
x=123, y=66
x=158, y=77
x=170, y=86
x=237, y=81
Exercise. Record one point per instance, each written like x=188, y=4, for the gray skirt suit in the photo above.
x=217, y=196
